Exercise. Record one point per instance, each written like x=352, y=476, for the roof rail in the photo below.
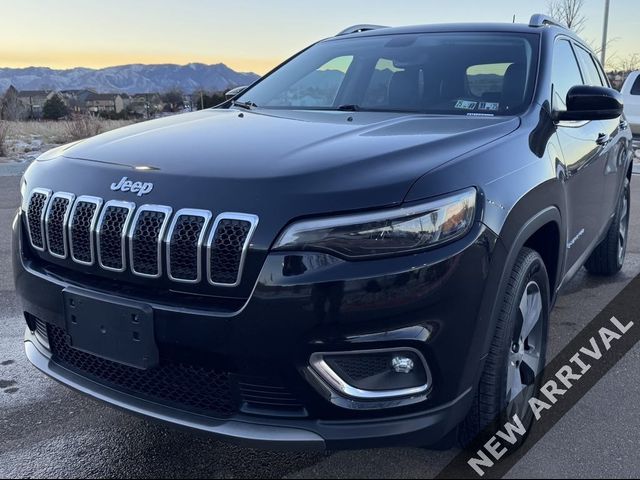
x=360, y=28
x=540, y=20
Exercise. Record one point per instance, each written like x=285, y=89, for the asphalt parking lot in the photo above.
x=48, y=431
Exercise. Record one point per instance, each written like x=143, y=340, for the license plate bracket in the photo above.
x=114, y=329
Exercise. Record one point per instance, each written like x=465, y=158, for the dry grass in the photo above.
x=24, y=141
x=84, y=126
x=65, y=130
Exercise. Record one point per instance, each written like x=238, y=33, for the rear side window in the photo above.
x=592, y=77
x=603, y=76
x=635, y=90
x=566, y=74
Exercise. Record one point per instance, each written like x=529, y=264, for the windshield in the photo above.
x=440, y=73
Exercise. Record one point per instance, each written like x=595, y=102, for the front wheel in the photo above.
x=608, y=257
x=518, y=351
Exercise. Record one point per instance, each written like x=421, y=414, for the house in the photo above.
x=104, y=102
x=188, y=101
x=33, y=101
x=76, y=100
x=145, y=105
x=126, y=100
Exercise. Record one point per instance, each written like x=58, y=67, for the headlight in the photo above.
x=402, y=230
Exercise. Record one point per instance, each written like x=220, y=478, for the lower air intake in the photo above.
x=187, y=387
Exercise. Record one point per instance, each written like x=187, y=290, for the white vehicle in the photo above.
x=631, y=94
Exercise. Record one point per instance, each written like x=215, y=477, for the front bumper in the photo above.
x=304, y=303
x=425, y=428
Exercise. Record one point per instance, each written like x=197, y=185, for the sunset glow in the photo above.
x=247, y=35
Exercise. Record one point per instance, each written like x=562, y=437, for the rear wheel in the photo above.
x=517, y=353
x=609, y=255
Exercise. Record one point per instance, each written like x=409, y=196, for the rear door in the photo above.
x=583, y=161
x=612, y=135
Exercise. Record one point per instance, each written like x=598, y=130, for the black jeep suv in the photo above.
x=362, y=248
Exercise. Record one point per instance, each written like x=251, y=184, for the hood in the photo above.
x=304, y=162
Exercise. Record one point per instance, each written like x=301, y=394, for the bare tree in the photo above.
x=10, y=106
x=596, y=47
x=629, y=63
x=568, y=13
x=4, y=133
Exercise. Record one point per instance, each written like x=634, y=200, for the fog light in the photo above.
x=374, y=374
x=402, y=364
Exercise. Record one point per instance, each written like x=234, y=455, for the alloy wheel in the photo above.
x=623, y=228
x=526, y=351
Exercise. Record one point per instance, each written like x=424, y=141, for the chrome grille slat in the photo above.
x=145, y=240
x=82, y=225
x=227, y=248
x=90, y=231
x=55, y=223
x=36, y=209
x=111, y=234
x=184, y=245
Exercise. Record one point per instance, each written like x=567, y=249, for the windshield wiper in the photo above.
x=246, y=105
x=349, y=108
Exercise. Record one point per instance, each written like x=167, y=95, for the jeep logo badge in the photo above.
x=126, y=185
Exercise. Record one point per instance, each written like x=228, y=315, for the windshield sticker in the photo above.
x=466, y=105
x=491, y=106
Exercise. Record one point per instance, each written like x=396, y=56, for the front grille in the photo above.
x=35, y=217
x=55, y=223
x=120, y=236
x=228, y=247
x=112, y=229
x=188, y=387
x=146, y=240
x=184, y=245
x=83, y=218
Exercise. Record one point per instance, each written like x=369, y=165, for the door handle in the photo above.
x=603, y=139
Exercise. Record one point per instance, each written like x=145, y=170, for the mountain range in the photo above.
x=135, y=78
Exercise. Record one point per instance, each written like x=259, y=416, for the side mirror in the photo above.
x=234, y=92
x=592, y=103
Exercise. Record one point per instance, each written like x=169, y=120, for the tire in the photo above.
x=608, y=257
x=491, y=404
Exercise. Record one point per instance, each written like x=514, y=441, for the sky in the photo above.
x=247, y=35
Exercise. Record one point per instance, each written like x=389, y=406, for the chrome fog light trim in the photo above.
x=322, y=369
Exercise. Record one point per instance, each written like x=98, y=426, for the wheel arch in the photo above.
x=533, y=233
